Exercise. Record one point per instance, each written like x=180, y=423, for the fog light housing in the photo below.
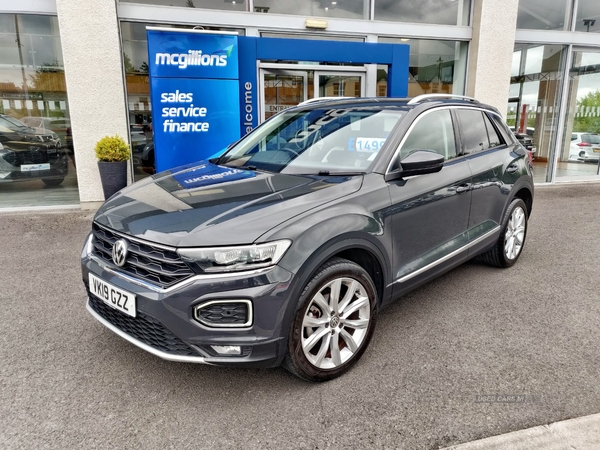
x=224, y=313
x=227, y=350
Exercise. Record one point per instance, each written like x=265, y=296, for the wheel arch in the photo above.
x=353, y=247
x=525, y=193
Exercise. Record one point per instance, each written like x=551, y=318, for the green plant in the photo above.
x=112, y=149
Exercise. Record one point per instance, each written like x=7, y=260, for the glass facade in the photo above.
x=345, y=9
x=559, y=15
x=543, y=14
x=435, y=66
x=534, y=100
x=554, y=99
x=37, y=161
x=228, y=5
x=553, y=102
x=587, y=16
x=580, y=151
x=441, y=12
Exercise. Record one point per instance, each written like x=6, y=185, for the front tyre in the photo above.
x=510, y=244
x=334, y=321
x=52, y=181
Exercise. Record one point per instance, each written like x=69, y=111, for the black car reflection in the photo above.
x=27, y=153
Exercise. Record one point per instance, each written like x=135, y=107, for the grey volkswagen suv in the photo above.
x=285, y=249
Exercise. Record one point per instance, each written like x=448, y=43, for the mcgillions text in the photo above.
x=191, y=58
x=169, y=126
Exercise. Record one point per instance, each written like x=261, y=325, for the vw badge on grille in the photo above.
x=119, y=252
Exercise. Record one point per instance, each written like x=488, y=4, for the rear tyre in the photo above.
x=52, y=181
x=334, y=322
x=509, y=245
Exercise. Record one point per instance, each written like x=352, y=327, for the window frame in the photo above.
x=500, y=136
x=487, y=113
x=410, y=129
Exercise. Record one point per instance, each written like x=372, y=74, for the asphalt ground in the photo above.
x=428, y=380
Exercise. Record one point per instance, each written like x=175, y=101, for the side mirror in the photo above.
x=418, y=162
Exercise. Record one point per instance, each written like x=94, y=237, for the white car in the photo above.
x=585, y=147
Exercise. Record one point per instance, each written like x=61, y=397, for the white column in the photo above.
x=91, y=50
x=490, y=52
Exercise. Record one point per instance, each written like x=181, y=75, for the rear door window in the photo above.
x=472, y=131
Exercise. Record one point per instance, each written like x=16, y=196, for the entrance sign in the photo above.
x=204, y=85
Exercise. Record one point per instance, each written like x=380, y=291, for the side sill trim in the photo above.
x=163, y=355
x=447, y=257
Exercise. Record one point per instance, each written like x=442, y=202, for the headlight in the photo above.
x=88, y=246
x=235, y=259
x=32, y=137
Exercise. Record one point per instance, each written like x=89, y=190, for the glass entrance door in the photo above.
x=281, y=89
x=335, y=84
x=579, y=156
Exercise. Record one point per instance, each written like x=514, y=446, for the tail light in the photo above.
x=584, y=144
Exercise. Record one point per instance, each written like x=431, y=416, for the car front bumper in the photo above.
x=589, y=157
x=165, y=325
x=58, y=169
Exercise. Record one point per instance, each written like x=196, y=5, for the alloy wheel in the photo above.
x=515, y=233
x=335, y=323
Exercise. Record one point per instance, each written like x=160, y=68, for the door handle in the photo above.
x=463, y=188
x=512, y=168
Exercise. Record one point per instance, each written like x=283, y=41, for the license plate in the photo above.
x=113, y=296
x=32, y=167
x=596, y=150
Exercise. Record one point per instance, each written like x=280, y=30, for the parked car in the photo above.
x=585, y=147
x=526, y=140
x=28, y=153
x=285, y=249
x=59, y=125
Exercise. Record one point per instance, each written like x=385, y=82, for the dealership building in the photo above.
x=79, y=70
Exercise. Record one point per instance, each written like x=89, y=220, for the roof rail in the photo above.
x=425, y=97
x=322, y=99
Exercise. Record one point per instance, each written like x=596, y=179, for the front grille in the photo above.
x=150, y=263
x=38, y=156
x=144, y=328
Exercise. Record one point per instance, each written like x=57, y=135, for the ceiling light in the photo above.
x=316, y=23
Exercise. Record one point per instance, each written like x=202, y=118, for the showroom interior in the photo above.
x=70, y=74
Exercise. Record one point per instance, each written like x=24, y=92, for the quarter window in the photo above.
x=494, y=139
x=432, y=131
x=505, y=134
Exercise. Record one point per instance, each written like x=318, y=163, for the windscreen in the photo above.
x=11, y=123
x=317, y=141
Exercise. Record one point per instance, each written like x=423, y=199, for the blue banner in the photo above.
x=195, y=95
x=193, y=119
x=176, y=54
x=207, y=174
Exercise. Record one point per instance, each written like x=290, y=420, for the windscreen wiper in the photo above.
x=340, y=174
